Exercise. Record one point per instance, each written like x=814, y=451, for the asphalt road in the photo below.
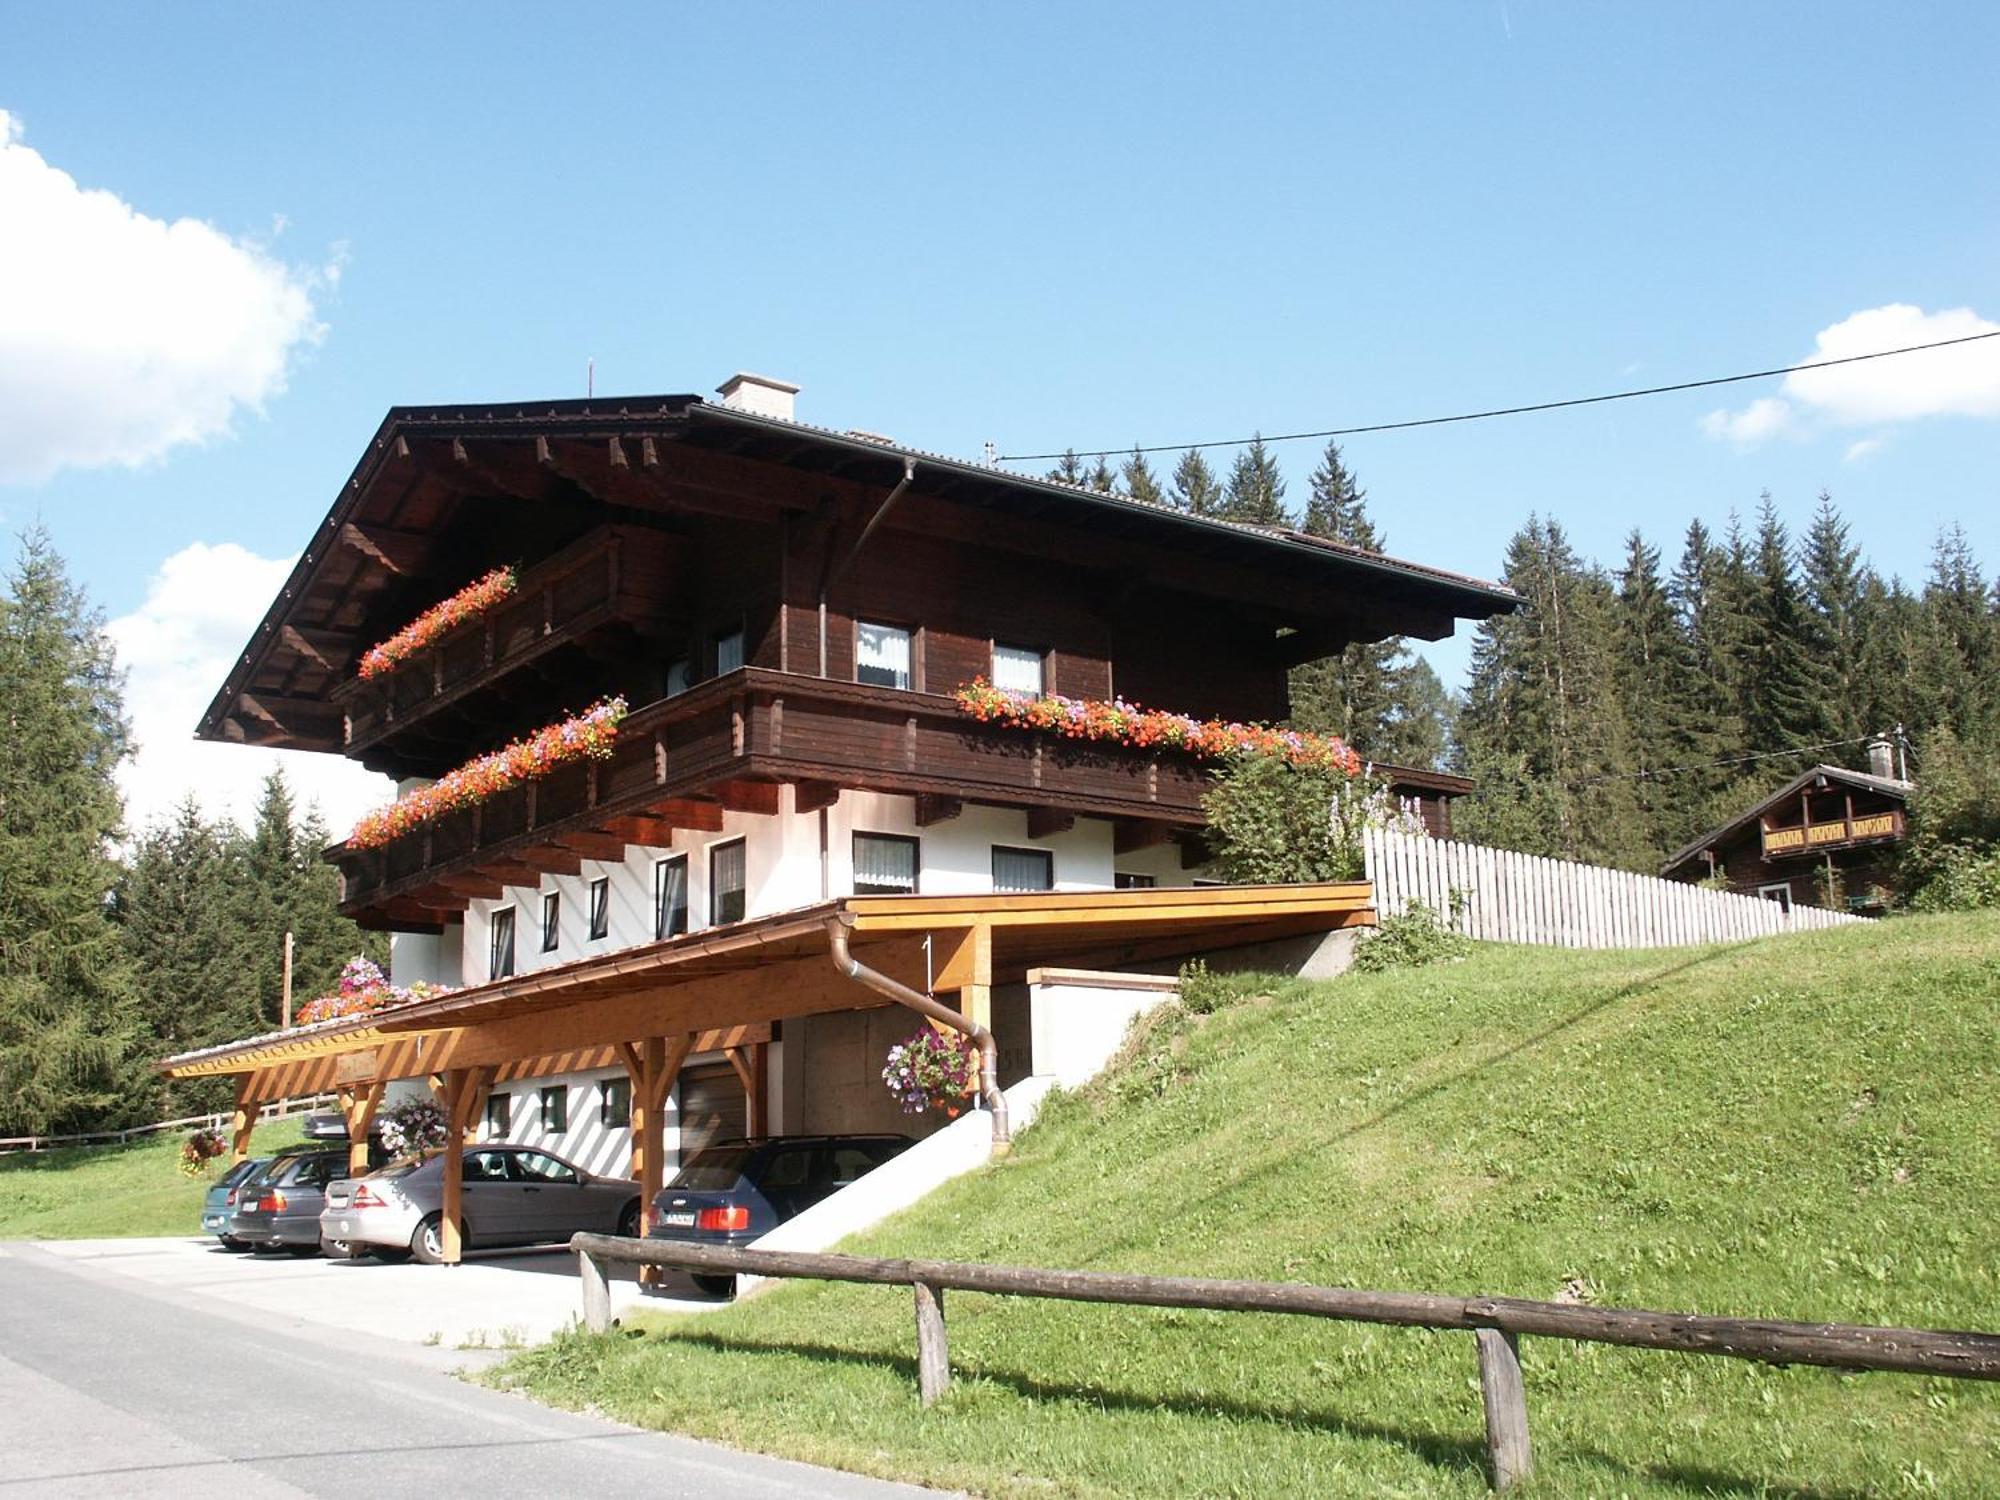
x=107, y=1389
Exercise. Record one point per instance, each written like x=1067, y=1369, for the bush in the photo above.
x=1962, y=878
x=1274, y=823
x=1948, y=864
x=1418, y=937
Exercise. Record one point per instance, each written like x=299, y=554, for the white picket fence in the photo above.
x=1523, y=898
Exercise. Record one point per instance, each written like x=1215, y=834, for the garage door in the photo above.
x=712, y=1107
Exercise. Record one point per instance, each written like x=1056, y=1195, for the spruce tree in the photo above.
x=68, y=1022
x=1069, y=468
x=1653, y=677
x=1355, y=693
x=1140, y=481
x=1101, y=477
x=1256, y=489
x=1784, y=704
x=1835, y=588
x=1422, y=726
x=1337, y=506
x=1195, y=490
x=1963, y=645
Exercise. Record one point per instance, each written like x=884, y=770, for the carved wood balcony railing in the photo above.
x=1835, y=833
x=730, y=744
x=615, y=575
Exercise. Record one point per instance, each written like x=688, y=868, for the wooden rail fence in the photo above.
x=279, y=1109
x=1508, y=897
x=1497, y=1323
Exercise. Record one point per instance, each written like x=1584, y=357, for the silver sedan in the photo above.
x=513, y=1195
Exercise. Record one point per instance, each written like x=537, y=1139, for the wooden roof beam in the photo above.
x=749, y=796
x=932, y=808
x=399, y=552
x=593, y=845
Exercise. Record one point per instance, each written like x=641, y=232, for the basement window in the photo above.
x=555, y=1109
x=614, y=1106
x=881, y=655
x=1017, y=669
x=600, y=907
x=670, y=897
x=885, y=864
x=1019, y=870
x=500, y=960
x=551, y=921
x=727, y=883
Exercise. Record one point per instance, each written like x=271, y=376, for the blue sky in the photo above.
x=1040, y=225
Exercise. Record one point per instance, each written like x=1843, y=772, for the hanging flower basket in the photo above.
x=1116, y=722
x=933, y=1069
x=364, y=989
x=588, y=736
x=198, y=1150
x=413, y=1125
x=469, y=603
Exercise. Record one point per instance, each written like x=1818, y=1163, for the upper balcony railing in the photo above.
x=730, y=744
x=613, y=576
x=1835, y=833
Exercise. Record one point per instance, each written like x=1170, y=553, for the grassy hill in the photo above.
x=1801, y=1127
x=105, y=1192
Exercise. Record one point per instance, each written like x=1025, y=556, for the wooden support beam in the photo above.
x=1046, y=822
x=652, y=1064
x=1509, y=1458
x=935, y=809
x=811, y=796
x=749, y=796
x=971, y=964
x=1130, y=835
x=400, y=552
x=324, y=649
x=358, y=1106
x=553, y=859
x=594, y=846
x=244, y=1118
x=760, y=1089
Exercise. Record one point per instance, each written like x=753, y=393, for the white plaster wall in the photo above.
x=1078, y=1025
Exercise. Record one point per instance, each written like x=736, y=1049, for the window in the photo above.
x=728, y=652
x=537, y=1167
x=600, y=906
x=670, y=897
x=726, y=883
x=1016, y=669
x=1781, y=893
x=1124, y=880
x=1023, y=869
x=678, y=676
x=555, y=1109
x=501, y=960
x=881, y=655
x=551, y=921
x=499, y=1116
x=885, y=864
x=614, y=1104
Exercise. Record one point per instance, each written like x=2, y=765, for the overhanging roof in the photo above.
x=1860, y=780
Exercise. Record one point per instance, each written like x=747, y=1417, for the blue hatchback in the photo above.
x=220, y=1205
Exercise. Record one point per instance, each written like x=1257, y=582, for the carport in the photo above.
x=650, y=1007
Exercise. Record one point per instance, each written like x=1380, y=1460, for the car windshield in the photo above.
x=237, y=1173
x=713, y=1170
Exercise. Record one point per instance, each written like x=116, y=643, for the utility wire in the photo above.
x=1733, y=760
x=1504, y=411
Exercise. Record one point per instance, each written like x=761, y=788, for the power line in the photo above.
x=1505, y=411
x=1733, y=760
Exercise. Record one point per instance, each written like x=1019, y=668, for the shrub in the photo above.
x=1961, y=878
x=1418, y=937
x=1275, y=823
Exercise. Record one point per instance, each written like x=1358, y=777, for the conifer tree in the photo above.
x=1337, y=506
x=1256, y=489
x=1140, y=481
x=1069, y=468
x=1354, y=694
x=1195, y=490
x=1652, y=676
x=1835, y=589
x=1963, y=649
x=1101, y=476
x=68, y=1022
x=1784, y=703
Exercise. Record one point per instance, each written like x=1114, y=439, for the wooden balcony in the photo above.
x=613, y=577
x=730, y=744
x=1836, y=833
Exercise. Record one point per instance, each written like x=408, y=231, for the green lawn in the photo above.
x=98, y=1192
x=1802, y=1128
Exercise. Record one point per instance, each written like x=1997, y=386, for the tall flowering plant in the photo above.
x=932, y=1070
x=1115, y=721
x=364, y=989
x=588, y=736
x=469, y=603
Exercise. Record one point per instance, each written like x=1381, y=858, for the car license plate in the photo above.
x=680, y=1221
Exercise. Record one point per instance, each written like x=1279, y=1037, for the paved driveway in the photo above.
x=117, y=1380
x=488, y=1301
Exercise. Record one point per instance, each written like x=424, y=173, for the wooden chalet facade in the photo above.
x=787, y=612
x=1828, y=821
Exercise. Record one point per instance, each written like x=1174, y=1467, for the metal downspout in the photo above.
x=836, y=569
x=932, y=1010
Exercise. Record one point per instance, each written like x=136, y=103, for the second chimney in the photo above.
x=759, y=394
x=1882, y=759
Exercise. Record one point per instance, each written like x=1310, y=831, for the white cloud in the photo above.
x=200, y=607
x=1960, y=381
x=124, y=336
x=1856, y=451
x=1763, y=418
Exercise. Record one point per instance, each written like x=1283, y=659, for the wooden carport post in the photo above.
x=357, y=1107
x=965, y=964
x=652, y=1065
x=751, y=1064
x=244, y=1120
x=463, y=1088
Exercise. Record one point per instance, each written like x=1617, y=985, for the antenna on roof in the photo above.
x=992, y=454
x=590, y=377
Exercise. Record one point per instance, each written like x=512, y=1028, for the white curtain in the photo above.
x=884, y=866
x=1016, y=670
x=882, y=655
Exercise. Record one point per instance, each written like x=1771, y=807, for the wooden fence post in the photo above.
x=933, y=1357
x=1508, y=1457
x=596, y=1293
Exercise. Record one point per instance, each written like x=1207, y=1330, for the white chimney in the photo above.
x=1882, y=759
x=759, y=394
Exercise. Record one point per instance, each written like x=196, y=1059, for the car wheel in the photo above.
x=716, y=1286
x=628, y=1221
x=427, y=1244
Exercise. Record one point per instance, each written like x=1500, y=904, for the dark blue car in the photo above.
x=733, y=1192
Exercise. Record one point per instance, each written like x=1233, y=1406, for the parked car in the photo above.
x=733, y=1192
x=279, y=1208
x=512, y=1195
x=220, y=1203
